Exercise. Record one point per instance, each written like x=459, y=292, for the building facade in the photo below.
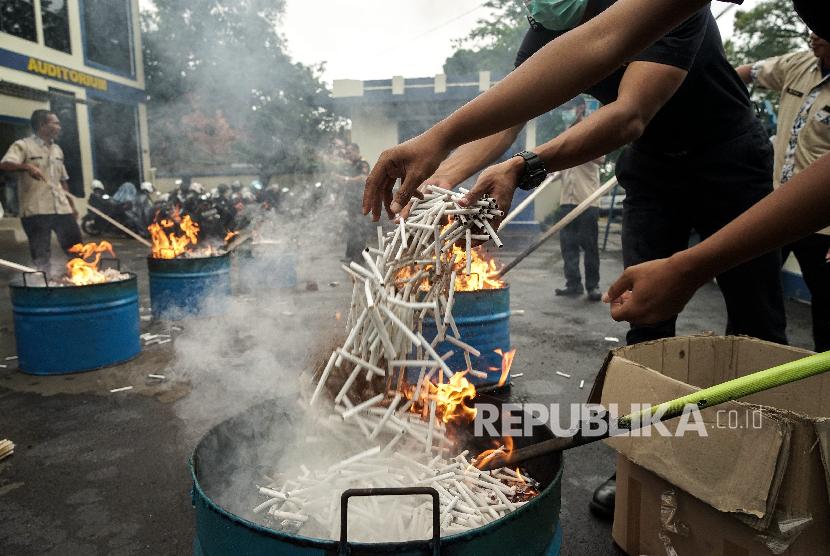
x=81, y=59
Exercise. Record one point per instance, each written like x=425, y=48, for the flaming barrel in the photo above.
x=483, y=319
x=225, y=462
x=189, y=286
x=70, y=329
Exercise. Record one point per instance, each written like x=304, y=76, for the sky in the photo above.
x=377, y=39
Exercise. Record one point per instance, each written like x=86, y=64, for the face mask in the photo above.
x=558, y=15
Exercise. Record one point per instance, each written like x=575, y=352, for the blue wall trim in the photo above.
x=115, y=91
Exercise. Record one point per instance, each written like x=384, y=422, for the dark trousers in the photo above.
x=39, y=230
x=669, y=196
x=810, y=253
x=581, y=234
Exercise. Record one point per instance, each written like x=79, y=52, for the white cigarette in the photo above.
x=581, y=384
x=404, y=328
x=267, y=504
x=492, y=233
x=114, y=390
x=362, y=271
x=517, y=375
x=11, y=358
x=447, y=371
x=372, y=266
x=323, y=378
x=463, y=345
x=160, y=377
x=414, y=363
x=364, y=405
x=289, y=516
x=357, y=457
x=565, y=375
x=431, y=426
x=389, y=411
x=348, y=384
x=357, y=361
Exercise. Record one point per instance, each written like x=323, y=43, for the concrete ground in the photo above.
x=102, y=473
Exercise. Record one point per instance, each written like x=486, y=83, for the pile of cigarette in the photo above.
x=309, y=502
x=386, y=316
x=407, y=277
x=6, y=448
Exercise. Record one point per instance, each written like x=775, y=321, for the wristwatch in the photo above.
x=534, y=173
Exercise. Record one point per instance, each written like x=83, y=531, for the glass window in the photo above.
x=108, y=32
x=17, y=17
x=115, y=144
x=55, y=24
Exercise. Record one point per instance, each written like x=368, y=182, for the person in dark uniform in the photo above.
x=358, y=231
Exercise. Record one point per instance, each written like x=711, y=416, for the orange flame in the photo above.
x=167, y=244
x=504, y=449
x=450, y=398
x=506, y=363
x=482, y=271
x=83, y=272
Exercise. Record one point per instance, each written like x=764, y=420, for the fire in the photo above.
x=482, y=271
x=230, y=235
x=450, y=398
x=81, y=271
x=174, y=236
x=487, y=455
x=506, y=363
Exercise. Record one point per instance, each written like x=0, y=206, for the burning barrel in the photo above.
x=189, y=286
x=227, y=459
x=86, y=321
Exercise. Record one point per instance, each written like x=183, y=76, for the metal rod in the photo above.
x=120, y=226
x=15, y=266
x=708, y=397
x=529, y=199
x=556, y=228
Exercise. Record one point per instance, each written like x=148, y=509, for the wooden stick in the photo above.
x=15, y=266
x=120, y=226
x=556, y=228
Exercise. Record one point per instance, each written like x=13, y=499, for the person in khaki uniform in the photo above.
x=803, y=79
x=578, y=184
x=45, y=204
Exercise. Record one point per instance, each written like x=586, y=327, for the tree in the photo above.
x=217, y=72
x=492, y=44
x=769, y=29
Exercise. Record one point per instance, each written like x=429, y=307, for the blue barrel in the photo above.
x=183, y=287
x=61, y=330
x=483, y=319
x=264, y=266
x=229, y=456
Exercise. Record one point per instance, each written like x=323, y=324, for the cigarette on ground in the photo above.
x=159, y=377
x=517, y=375
x=565, y=375
x=611, y=339
x=11, y=358
x=581, y=384
x=123, y=389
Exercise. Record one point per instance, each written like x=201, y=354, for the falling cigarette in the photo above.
x=123, y=389
x=364, y=405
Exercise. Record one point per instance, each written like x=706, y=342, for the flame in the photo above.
x=520, y=476
x=506, y=363
x=167, y=243
x=482, y=271
x=230, y=235
x=504, y=449
x=450, y=398
x=82, y=272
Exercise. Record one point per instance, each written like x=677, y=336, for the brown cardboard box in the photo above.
x=757, y=484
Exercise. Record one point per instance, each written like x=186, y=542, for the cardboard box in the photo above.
x=756, y=484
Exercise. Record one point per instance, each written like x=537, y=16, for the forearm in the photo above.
x=745, y=73
x=606, y=130
x=13, y=167
x=473, y=157
x=793, y=211
x=565, y=67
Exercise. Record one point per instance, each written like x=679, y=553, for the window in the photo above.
x=17, y=17
x=108, y=34
x=55, y=24
x=115, y=143
x=62, y=103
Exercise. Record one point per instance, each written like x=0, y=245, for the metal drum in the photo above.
x=265, y=266
x=69, y=329
x=483, y=319
x=183, y=287
x=229, y=455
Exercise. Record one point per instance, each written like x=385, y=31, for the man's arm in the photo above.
x=13, y=162
x=561, y=70
x=468, y=159
x=645, y=88
x=745, y=73
x=657, y=290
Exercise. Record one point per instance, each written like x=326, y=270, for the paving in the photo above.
x=96, y=472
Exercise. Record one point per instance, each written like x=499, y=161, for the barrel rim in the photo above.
x=17, y=284
x=180, y=260
x=332, y=544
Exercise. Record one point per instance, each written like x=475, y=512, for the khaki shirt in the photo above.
x=38, y=197
x=804, y=116
x=578, y=183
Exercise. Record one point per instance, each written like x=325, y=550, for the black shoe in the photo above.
x=568, y=292
x=594, y=294
x=603, y=503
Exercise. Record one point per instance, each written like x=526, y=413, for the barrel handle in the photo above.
x=344, y=550
x=42, y=273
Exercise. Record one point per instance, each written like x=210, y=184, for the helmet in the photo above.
x=197, y=188
x=147, y=186
x=96, y=184
x=222, y=189
x=164, y=197
x=256, y=184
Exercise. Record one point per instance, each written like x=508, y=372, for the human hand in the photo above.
x=499, y=182
x=413, y=162
x=35, y=172
x=438, y=180
x=654, y=291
